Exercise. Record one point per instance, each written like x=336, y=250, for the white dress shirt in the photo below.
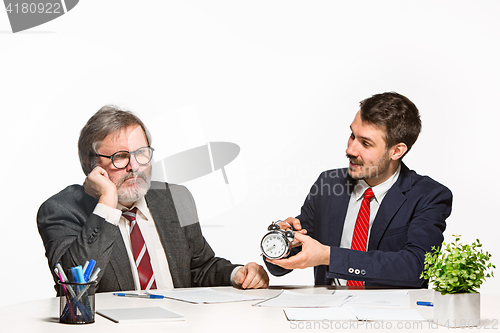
x=159, y=261
x=146, y=223
x=355, y=204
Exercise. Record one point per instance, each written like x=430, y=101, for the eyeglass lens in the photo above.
x=142, y=156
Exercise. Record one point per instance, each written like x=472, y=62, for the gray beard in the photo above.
x=133, y=195
x=127, y=195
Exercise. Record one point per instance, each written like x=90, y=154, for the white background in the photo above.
x=282, y=79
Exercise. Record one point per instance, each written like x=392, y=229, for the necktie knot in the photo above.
x=369, y=194
x=130, y=214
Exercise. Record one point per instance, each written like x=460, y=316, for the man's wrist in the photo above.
x=111, y=215
x=233, y=274
x=109, y=200
x=326, y=255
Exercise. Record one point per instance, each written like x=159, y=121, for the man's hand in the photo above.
x=313, y=254
x=295, y=223
x=98, y=185
x=251, y=276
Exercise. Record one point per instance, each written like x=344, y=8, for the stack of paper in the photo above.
x=351, y=313
x=376, y=298
x=139, y=315
x=345, y=305
x=293, y=299
x=354, y=298
x=204, y=295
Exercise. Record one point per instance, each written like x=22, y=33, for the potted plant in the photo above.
x=456, y=271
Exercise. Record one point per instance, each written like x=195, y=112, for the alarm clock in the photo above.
x=277, y=243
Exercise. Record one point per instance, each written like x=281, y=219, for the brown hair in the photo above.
x=397, y=114
x=109, y=119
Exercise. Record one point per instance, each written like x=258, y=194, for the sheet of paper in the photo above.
x=319, y=314
x=140, y=315
x=388, y=314
x=205, y=295
x=376, y=298
x=290, y=299
x=348, y=313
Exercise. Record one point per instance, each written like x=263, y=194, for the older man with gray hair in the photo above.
x=142, y=234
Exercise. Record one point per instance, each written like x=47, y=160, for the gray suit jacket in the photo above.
x=72, y=234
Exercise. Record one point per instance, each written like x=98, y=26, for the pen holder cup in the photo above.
x=77, y=302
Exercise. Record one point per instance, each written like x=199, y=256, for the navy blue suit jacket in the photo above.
x=409, y=222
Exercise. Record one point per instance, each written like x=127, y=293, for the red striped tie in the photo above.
x=140, y=251
x=361, y=229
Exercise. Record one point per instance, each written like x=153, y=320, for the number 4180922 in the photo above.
x=32, y=8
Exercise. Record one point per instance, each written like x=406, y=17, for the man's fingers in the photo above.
x=247, y=282
x=260, y=280
x=289, y=263
x=299, y=236
x=252, y=275
x=284, y=226
x=295, y=223
x=247, y=276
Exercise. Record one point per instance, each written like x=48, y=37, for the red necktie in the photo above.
x=140, y=251
x=360, y=235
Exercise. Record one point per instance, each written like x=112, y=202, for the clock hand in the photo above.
x=269, y=248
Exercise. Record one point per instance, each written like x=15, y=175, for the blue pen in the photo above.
x=75, y=275
x=88, y=271
x=85, y=309
x=79, y=272
x=76, y=303
x=91, y=279
x=139, y=295
x=425, y=303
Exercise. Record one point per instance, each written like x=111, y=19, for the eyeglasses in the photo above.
x=121, y=158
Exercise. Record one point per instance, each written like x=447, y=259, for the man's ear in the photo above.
x=87, y=168
x=90, y=164
x=398, y=151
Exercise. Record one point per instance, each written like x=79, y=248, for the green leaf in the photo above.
x=454, y=267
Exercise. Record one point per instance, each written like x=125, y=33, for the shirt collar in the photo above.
x=379, y=190
x=142, y=208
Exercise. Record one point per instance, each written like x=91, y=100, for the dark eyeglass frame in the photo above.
x=130, y=153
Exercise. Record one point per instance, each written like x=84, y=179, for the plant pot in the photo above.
x=457, y=310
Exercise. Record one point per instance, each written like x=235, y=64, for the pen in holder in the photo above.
x=77, y=302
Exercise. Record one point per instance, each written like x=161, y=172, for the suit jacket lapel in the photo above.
x=392, y=202
x=338, y=212
x=118, y=261
x=162, y=209
x=121, y=265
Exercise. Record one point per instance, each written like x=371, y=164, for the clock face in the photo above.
x=274, y=246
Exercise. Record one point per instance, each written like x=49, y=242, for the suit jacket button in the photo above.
x=356, y=271
x=351, y=270
x=363, y=272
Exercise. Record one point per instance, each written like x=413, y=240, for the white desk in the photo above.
x=42, y=315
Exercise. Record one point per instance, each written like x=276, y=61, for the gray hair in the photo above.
x=109, y=119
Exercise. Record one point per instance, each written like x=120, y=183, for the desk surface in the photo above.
x=42, y=315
